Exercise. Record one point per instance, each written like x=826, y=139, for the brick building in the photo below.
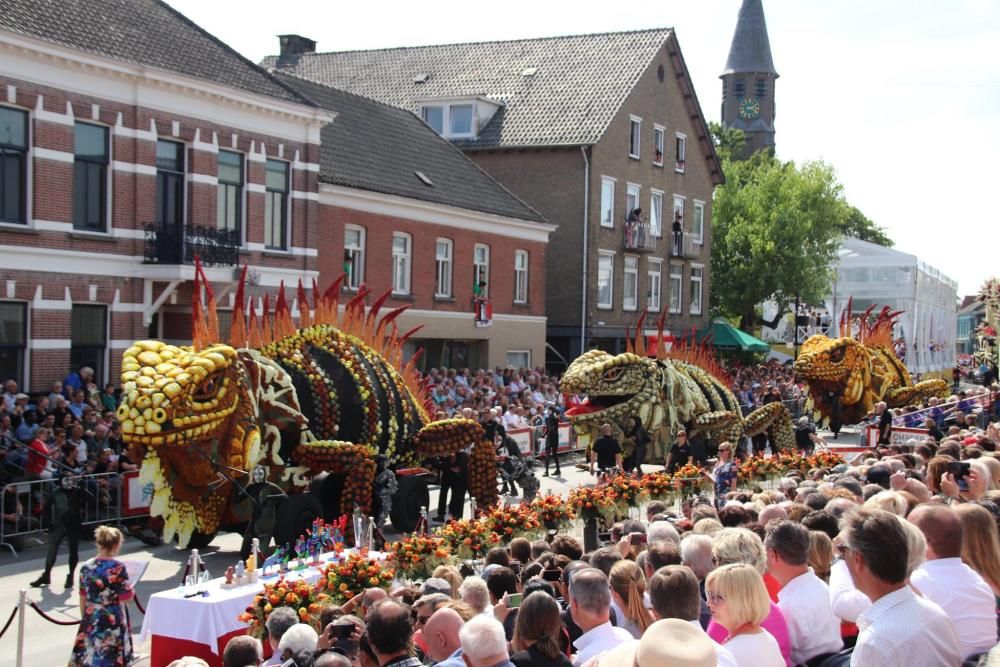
x=131, y=140
x=602, y=134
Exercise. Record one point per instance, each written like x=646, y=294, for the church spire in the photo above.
x=750, y=51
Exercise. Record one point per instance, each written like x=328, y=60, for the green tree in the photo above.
x=775, y=232
x=728, y=141
x=859, y=226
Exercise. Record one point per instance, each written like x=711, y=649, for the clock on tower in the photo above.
x=749, y=108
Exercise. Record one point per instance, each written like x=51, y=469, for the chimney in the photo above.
x=293, y=47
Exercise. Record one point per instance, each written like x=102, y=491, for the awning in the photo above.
x=727, y=337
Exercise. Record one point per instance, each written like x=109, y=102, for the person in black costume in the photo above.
x=637, y=433
x=69, y=500
x=454, y=476
x=552, y=440
x=265, y=496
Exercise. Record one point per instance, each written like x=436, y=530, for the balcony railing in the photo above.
x=684, y=244
x=638, y=237
x=169, y=244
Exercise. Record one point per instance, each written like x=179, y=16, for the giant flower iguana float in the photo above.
x=859, y=370
x=682, y=388
x=296, y=401
x=986, y=332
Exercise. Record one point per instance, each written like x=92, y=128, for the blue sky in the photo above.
x=902, y=97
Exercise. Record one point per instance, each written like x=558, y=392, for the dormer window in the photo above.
x=460, y=118
x=434, y=116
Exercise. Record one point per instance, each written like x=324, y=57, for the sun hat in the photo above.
x=671, y=642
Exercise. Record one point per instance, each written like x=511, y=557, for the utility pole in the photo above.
x=796, y=321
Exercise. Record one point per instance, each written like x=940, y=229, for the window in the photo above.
x=13, y=340
x=630, y=283
x=634, y=136
x=520, y=276
x=653, y=270
x=460, y=121
x=681, y=150
x=229, y=196
x=13, y=165
x=698, y=225
x=518, y=358
x=90, y=177
x=607, y=202
x=354, y=256
x=434, y=116
x=679, y=210
x=658, y=145
x=631, y=198
x=276, y=205
x=481, y=270
x=656, y=214
x=739, y=88
x=676, y=286
x=443, y=260
x=401, y=249
x=696, y=274
x=605, y=279
x=760, y=88
x=89, y=338
x=170, y=185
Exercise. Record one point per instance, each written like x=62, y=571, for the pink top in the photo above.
x=774, y=623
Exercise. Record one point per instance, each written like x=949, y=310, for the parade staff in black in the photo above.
x=552, y=440
x=69, y=501
x=680, y=454
x=641, y=439
x=606, y=452
x=884, y=423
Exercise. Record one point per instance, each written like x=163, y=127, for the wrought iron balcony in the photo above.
x=637, y=236
x=170, y=244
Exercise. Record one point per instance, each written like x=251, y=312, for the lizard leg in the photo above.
x=773, y=417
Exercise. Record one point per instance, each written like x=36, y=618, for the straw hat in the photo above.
x=668, y=642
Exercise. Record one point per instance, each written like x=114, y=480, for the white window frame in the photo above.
x=635, y=127
x=527, y=354
x=632, y=191
x=406, y=258
x=680, y=201
x=481, y=270
x=680, y=151
x=610, y=255
x=521, y=276
x=698, y=222
x=654, y=282
x=676, y=274
x=444, y=115
x=608, y=181
x=660, y=132
x=444, y=265
x=655, y=222
x=700, y=279
x=358, y=255
x=630, y=302
x=472, y=120
x=446, y=108
x=288, y=203
x=243, y=192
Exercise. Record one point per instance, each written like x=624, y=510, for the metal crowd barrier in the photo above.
x=30, y=504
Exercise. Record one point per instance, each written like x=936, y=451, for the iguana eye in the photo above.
x=206, y=390
x=613, y=373
x=837, y=354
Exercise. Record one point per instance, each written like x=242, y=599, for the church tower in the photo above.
x=748, y=80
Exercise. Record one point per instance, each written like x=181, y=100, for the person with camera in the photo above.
x=69, y=502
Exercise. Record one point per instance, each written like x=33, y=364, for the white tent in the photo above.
x=874, y=275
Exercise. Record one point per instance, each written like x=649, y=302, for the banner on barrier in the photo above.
x=532, y=446
x=137, y=495
x=899, y=435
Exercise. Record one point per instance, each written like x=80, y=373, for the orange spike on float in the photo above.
x=387, y=319
x=283, y=325
x=640, y=335
x=198, y=334
x=628, y=340
x=305, y=318
x=254, y=339
x=661, y=345
x=266, y=332
x=373, y=312
x=238, y=328
x=211, y=313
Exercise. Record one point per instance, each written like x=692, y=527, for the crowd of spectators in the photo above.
x=521, y=396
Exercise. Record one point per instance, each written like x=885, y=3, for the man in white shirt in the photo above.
x=804, y=598
x=589, y=605
x=944, y=579
x=900, y=627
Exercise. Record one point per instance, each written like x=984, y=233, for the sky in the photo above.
x=901, y=97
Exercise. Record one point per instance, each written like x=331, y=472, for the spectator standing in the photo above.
x=590, y=608
x=277, y=624
x=483, y=644
x=390, y=633
x=298, y=644
x=9, y=395
x=537, y=633
x=77, y=381
x=724, y=474
x=241, y=651
x=944, y=579
x=440, y=634
x=105, y=638
x=628, y=587
x=739, y=603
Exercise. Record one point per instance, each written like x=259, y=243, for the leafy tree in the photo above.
x=728, y=141
x=861, y=227
x=775, y=233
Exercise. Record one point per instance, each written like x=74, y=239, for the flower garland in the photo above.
x=483, y=475
x=345, y=580
x=468, y=539
x=512, y=521
x=307, y=601
x=418, y=556
x=553, y=511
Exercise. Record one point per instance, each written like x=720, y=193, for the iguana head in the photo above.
x=615, y=386
x=839, y=364
x=179, y=408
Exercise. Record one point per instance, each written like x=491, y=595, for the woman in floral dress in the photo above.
x=104, y=639
x=724, y=474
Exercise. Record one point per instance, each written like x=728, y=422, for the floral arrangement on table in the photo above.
x=510, y=521
x=629, y=491
x=553, y=511
x=659, y=485
x=825, y=459
x=690, y=479
x=351, y=577
x=789, y=461
x=418, y=556
x=593, y=502
x=306, y=599
x=468, y=539
x=760, y=468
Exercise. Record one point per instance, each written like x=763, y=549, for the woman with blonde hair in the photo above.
x=104, y=638
x=450, y=574
x=980, y=543
x=739, y=603
x=890, y=501
x=820, y=554
x=628, y=586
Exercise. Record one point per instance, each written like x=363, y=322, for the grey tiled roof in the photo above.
x=579, y=84
x=376, y=147
x=750, y=50
x=145, y=32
